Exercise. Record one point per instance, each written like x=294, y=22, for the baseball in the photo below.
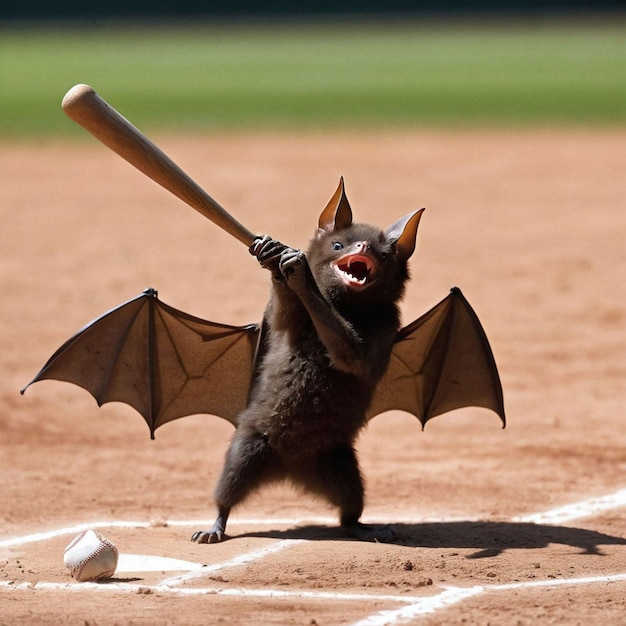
x=90, y=556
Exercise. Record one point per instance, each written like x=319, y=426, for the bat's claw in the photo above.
x=292, y=265
x=268, y=251
x=209, y=536
x=215, y=534
x=257, y=243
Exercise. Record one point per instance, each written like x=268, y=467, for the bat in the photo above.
x=328, y=356
x=84, y=106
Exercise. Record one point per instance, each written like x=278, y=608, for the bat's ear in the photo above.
x=337, y=214
x=404, y=233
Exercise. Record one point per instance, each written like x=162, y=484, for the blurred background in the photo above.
x=188, y=64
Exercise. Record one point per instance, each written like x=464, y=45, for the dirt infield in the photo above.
x=516, y=526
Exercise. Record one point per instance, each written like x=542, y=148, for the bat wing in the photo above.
x=440, y=362
x=161, y=361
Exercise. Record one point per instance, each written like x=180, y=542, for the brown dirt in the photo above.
x=531, y=225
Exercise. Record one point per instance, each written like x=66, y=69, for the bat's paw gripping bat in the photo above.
x=267, y=251
x=270, y=254
x=293, y=266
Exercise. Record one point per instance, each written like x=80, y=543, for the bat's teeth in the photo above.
x=355, y=271
x=358, y=280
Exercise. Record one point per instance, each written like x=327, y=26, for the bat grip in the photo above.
x=85, y=107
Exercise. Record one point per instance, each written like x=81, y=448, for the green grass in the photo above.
x=322, y=76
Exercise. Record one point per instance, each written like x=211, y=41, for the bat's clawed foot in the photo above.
x=216, y=534
x=379, y=534
x=208, y=536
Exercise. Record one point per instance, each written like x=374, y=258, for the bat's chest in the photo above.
x=301, y=401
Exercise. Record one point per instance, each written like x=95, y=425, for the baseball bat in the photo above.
x=85, y=107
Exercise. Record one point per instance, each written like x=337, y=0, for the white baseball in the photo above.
x=90, y=556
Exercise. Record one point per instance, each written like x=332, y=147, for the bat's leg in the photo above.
x=341, y=482
x=250, y=462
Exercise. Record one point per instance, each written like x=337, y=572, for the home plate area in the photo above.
x=437, y=565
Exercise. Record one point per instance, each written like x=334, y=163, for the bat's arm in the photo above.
x=345, y=348
x=348, y=351
x=294, y=288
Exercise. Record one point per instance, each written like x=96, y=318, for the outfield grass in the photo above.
x=326, y=75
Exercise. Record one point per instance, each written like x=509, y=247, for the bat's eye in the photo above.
x=337, y=245
x=384, y=256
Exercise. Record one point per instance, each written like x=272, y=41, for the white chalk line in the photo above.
x=242, y=559
x=453, y=595
x=129, y=563
x=414, y=605
x=577, y=510
x=242, y=592
x=417, y=605
x=69, y=530
x=586, y=508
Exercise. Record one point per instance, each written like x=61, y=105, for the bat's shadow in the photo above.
x=489, y=539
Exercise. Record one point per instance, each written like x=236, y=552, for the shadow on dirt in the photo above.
x=488, y=538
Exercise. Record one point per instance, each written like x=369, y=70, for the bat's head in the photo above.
x=359, y=262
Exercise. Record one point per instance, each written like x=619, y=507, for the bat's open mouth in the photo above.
x=355, y=270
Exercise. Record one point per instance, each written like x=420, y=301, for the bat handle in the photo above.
x=84, y=106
